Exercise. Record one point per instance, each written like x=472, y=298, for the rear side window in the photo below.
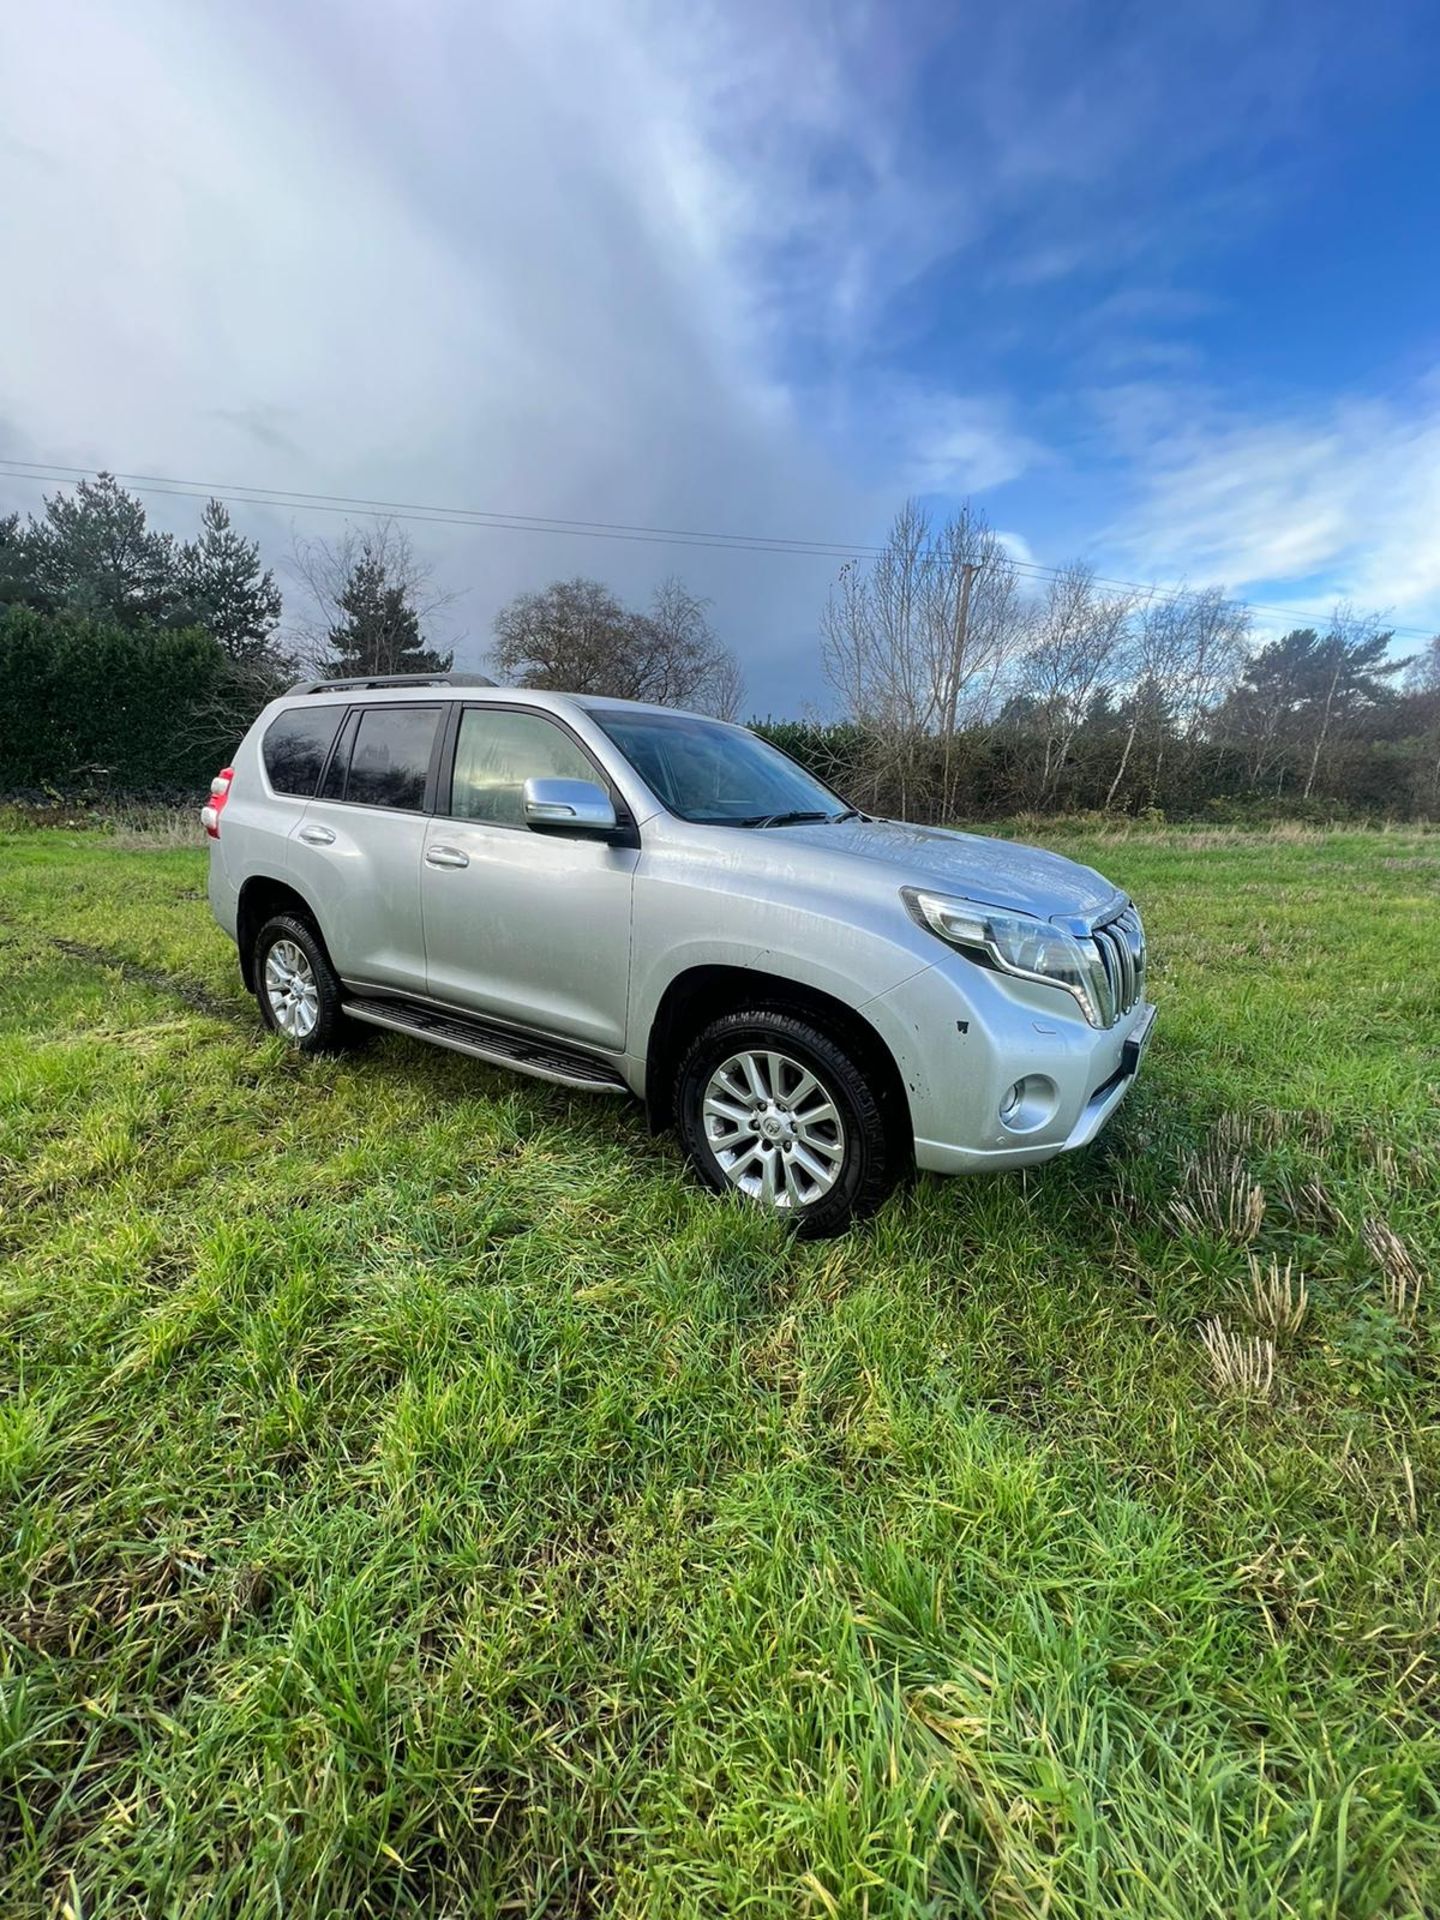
x=498, y=751
x=332, y=787
x=295, y=745
x=390, y=761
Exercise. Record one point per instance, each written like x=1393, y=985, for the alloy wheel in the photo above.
x=291, y=990
x=774, y=1129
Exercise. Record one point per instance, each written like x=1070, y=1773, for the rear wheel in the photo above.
x=774, y=1108
x=298, y=989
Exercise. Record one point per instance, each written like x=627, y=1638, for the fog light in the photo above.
x=1028, y=1104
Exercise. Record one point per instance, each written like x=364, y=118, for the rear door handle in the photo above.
x=318, y=836
x=446, y=857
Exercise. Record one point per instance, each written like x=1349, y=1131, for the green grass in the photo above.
x=419, y=1498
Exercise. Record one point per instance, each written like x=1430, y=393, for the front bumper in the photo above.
x=961, y=1036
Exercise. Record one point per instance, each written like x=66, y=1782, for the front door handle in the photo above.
x=446, y=857
x=318, y=836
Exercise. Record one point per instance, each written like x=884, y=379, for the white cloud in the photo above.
x=528, y=257
x=1334, y=500
x=958, y=444
x=1016, y=545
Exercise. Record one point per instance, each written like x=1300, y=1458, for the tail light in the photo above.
x=219, y=793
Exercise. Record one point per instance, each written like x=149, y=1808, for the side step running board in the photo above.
x=546, y=1059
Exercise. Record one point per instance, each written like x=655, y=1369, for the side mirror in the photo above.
x=568, y=806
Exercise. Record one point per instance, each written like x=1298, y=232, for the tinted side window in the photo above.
x=497, y=751
x=391, y=757
x=332, y=787
x=295, y=745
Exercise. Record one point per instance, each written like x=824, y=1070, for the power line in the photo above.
x=452, y=516
x=487, y=519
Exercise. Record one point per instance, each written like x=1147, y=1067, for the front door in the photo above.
x=530, y=928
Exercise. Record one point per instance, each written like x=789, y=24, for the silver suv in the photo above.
x=620, y=897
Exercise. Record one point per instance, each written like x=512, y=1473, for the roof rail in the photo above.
x=393, y=680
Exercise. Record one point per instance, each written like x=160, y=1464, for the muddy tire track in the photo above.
x=201, y=999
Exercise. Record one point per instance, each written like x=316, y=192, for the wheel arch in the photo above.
x=704, y=993
x=261, y=897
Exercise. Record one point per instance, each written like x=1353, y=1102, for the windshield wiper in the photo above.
x=850, y=813
x=795, y=819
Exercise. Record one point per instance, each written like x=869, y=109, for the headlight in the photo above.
x=1016, y=943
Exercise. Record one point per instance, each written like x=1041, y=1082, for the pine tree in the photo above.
x=227, y=592
x=93, y=554
x=17, y=563
x=1299, y=692
x=379, y=631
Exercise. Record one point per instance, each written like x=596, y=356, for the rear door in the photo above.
x=261, y=821
x=530, y=928
x=356, y=854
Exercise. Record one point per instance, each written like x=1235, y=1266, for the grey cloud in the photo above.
x=444, y=256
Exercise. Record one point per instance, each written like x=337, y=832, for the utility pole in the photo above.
x=968, y=571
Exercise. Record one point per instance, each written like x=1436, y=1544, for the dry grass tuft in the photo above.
x=1277, y=1298
x=1312, y=1206
x=155, y=829
x=1127, y=1198
x=1381, y=1153
x=1238, y=1131
x=1234, y=1133
x=1217, y=1196
x=1242, y=1365
x=1398, y=1265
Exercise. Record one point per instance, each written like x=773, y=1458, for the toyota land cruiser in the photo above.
x=619, y=897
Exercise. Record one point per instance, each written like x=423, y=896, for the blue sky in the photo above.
x=1158, y=285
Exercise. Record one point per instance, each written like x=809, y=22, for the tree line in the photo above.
x=132, y=660
x=967, y=691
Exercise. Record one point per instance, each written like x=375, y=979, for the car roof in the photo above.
x=475, y=690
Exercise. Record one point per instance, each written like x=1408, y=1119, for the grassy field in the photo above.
x=419, y=1498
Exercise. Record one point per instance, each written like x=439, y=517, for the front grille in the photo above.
x=1121, y=946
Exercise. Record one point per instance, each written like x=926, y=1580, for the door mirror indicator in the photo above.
x=568, y=806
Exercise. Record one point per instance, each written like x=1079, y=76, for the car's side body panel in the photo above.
x=533, y=929
x=363, y=884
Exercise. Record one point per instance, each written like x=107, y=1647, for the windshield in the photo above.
x=713, y=774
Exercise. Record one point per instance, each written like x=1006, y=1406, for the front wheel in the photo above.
x=772, y=1107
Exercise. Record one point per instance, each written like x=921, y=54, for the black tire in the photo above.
x=331, y=1031
x=870, y=1162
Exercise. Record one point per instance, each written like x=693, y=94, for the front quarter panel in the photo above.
x=699, y=902
x=959, y=1034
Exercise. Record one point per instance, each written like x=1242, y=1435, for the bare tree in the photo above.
x=1080, y=638
x=1183, y=653
x=575, y=636
x=377, y=565
x=916, y=642
x=876, y=650
x=1423, y=672
x=566, y=638
x=977, y=624
x=685, y=664
x=1215, y=647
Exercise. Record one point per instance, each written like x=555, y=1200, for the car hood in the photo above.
x=998, y=873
